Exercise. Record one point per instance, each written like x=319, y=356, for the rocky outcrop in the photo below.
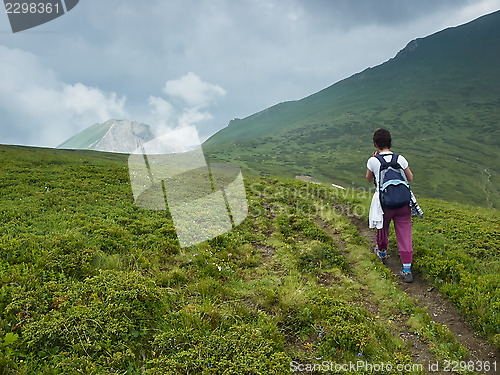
x=123, y=136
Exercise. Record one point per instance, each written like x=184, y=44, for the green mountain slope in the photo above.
x=86, y=138
x=439, y=97
x=90, y=281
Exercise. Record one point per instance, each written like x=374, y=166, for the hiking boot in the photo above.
x=406, y=276
x=377, y=254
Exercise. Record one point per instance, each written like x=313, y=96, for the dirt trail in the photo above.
x=419, y=349
x=440, y=309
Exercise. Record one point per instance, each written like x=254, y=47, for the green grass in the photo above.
x=380, y=286
x=91, y=283
x=456, y=246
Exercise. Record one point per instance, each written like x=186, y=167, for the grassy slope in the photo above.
x=438, y=96
x=457, y=248
x=89, y=281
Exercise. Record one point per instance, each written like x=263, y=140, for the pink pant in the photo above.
x=402, y=227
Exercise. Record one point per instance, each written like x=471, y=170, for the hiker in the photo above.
x=382, y=212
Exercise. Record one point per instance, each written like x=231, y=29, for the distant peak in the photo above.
x=120, y=136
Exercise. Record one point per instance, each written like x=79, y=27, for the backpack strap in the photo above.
x=384, y=164
x=393, y=163
x=381, y=159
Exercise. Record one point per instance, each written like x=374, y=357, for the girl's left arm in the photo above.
x=408, y=174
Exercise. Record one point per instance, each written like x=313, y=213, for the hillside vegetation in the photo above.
x=92, y=284
x=439, y=97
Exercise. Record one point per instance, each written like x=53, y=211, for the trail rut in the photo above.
x=440, y=309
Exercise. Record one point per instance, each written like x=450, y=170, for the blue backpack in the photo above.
x=394, y=189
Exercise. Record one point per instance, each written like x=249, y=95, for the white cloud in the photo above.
x=161, y=112
x=193, y=91
x=259, y=52
x=46, y=110
x=193, y=116
x=160, y=107
x=188, y=99
x=476, y=9
x=80, y=99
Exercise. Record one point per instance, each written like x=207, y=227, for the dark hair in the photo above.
x=382, y=139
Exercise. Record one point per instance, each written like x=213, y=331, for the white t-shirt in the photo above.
x=373, y=163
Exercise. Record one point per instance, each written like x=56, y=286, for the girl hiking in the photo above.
x=391, y=201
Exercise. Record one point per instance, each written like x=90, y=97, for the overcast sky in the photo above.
x=171, y=63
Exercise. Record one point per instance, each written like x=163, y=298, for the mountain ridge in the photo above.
x=439, y=96
x=404, y=54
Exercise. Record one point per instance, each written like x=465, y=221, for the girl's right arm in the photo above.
x=369, y=175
